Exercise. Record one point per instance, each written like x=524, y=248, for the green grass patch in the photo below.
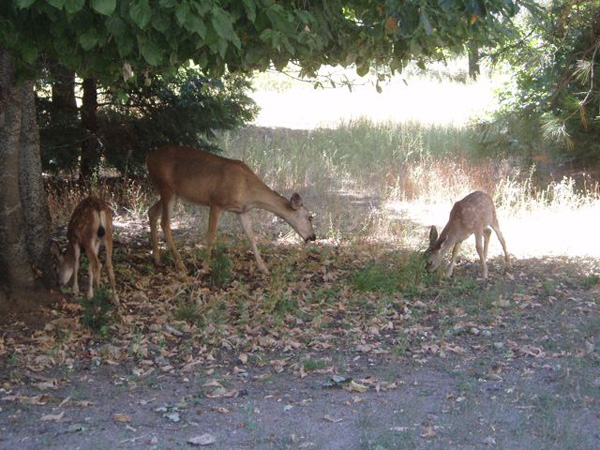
x=96, y=313
x=395, y=273
x=221, y=267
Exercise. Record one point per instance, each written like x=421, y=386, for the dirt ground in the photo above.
x=507, y=363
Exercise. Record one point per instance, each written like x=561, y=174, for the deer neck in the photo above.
x=273, y=202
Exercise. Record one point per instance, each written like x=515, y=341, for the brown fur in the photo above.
x=222, y=184
x=471, y=215
x=90, y=226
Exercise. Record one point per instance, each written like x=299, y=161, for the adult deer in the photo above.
x=222, y=184
x=471, y=215
x=89, y=227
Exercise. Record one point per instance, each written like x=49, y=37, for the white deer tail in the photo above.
x=102, y=227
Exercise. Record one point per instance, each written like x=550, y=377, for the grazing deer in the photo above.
x=473, y=214
x=90, y=226
x=222, y=184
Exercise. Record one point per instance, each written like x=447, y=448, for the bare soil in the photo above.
x=505, y=363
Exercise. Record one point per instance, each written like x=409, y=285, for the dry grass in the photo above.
x=385, y=179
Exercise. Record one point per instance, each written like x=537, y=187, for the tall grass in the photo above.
x=382, y=181
x=404, y=162
x=387, y=181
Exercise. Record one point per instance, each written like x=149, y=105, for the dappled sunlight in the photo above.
x=554, y=232
x=558, y=231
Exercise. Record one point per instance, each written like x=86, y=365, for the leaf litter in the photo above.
x=254, y=328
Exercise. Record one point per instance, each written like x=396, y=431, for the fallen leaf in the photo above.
x=428, y=431
x=331, y=419
x=202, y=440
x=52, y=417
x=220, y=409
x=357, y=387
x=121, y=418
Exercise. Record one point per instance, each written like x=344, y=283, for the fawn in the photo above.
x=89, y=227
x=471, y=215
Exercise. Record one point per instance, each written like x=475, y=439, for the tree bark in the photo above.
x=64, y=131
x=90, y=151
x=473, y=51
x=24, y=215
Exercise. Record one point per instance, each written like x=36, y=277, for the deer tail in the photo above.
x=102, y=226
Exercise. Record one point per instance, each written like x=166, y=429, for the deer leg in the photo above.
x=91, y=250
x=167, y=211
x=480, y=251
x=247, y=226
x=496, y=228
x=108, y=245
x=486, y=241
x=213, y=223
x=76, y=269
x=455, y=251
x=153, y=214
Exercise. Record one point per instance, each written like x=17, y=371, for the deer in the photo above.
x=203, y=178
x=89, y=228
x=474, y=214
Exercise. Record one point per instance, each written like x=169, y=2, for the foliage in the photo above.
x=96, y=312
x=550, y=105
x=393, y=273
x=186, y=109
x=220, y=267
x=108, y=39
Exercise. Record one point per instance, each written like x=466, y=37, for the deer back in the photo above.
x=200, y=177
x=474, y=212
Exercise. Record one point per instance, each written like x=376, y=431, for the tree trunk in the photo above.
x=24, y=215
x=64, y=131
x=473, y=51
x=90, y=148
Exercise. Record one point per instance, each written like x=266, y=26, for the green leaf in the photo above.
x=116, y=26
x=73, y=6
x=363, y=68
x=141, y=13
x=24, y=3
x=221, y=22
x=150, y=51
x=161, y=22
x=277, y=17
x=426, y=23
x=88, y=40
x=197, y=25
x=105, y=7
x=182, y=12
x=29, y=54
x=250, y=8
x=58, y=4
x=125, y=46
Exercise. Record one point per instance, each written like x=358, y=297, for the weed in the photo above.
x=310, y=365
x=189, y=312
x=220, y=267
x=96, y=313
x=589, y=281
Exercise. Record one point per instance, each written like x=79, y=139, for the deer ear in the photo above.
x=55, y=250
x=296, y=201
x=433, y=236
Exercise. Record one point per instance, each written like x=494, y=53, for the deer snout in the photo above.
x=431, y=264
x=312, y=237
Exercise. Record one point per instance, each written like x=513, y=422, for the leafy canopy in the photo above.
x=110, y=38
x=552, y=103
